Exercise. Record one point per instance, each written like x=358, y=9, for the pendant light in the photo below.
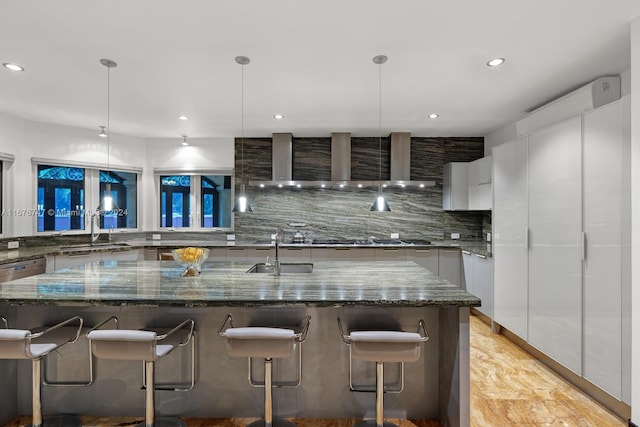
x=380, y=204
x=242, y=204
x=107, y=202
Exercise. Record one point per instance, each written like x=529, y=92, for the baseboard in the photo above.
x=617, y=407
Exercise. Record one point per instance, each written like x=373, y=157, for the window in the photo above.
x=195, y=201
x=69, y=197
x=124, y=190
x=60, y=198
x=216, y=199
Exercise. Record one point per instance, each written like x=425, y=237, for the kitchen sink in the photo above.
x=285, y=268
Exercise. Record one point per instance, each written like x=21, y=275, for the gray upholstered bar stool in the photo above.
x=382, y=346
x=268, y=343
x=24, y=344
x=147, y=346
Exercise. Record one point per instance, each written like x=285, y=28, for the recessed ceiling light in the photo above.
x=433, y=115
x=183, y=117
x=278, y=116
x=495, y=62
x=12, y=67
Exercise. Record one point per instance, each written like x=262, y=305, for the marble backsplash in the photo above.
x=415, y=213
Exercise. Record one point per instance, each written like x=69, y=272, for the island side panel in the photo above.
x=454, y=367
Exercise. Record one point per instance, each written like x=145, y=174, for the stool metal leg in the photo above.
x=268, y=420
x=150, y=415
x=379, y=421
x=36, y=403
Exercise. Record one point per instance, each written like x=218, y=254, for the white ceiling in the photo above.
x=310, y=60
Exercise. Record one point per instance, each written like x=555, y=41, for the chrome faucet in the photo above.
x=276, y=261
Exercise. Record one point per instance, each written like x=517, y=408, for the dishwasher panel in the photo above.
x=16, y=270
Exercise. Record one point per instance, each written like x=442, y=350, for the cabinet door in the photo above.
x=467, y=268
x=130, y=255
x=236, y=254
x=291, y=254
x=603, y=158
x=427, y=258
x=455, y=187
x=479, y=181
x=390, y=254
x=510, y=223
x=342, y=254
x=555, y=256
x=483, y=283
x=261, y=254
x=449, y=265
x=66, y=261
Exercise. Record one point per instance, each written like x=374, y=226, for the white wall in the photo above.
x=27, y=139
x=635, y=220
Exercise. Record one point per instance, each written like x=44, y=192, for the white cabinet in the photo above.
x=555, y=230
x=479, y=183
x=605, y=158
x=449, y=265
x=478, y=279
x=510, y=230
x=562, y=214
x=455, y=187
x=237, y=254
x=425, y=257
x=467, y=268
x=482, y=277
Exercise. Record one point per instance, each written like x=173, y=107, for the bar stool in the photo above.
x=379, y=347
x=24, y=344
x=147, y=346
x=268, y=343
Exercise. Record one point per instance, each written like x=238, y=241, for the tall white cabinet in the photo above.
x=555, y=227
x=510, y=240
x=561, y=254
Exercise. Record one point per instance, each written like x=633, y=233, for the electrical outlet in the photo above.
x=455, y=236
x=488, y=237
x=231, y=237
x=13, y=245
x=156, y=236
x=395, y=235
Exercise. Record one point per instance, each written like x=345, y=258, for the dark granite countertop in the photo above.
x=158, y=283
x=26, y=253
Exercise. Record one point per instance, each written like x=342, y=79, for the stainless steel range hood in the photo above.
x=400, y=172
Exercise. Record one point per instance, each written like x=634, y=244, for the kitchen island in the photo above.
x=152, y=293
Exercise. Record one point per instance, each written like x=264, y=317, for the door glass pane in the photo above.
x=60, y=198
x=123, y=189
x=175, y=208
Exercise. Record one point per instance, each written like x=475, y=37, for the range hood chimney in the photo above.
x=400, y=156
x=341, y=156
x=282, y=164
x=282, y=152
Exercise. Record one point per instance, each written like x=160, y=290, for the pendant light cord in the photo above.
x=242, y=127
x=108, y=122
x=380, y=125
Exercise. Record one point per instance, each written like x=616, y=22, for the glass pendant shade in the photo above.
x=380, y=204
x=242, y=204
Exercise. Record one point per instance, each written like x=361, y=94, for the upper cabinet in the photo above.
x=455, y=187
x=467, y=186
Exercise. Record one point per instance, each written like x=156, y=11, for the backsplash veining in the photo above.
x=415, y=213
